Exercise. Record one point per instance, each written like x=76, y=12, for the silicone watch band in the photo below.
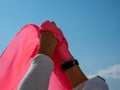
x=69, y=64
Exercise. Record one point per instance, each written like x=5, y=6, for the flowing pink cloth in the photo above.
x=16, y=59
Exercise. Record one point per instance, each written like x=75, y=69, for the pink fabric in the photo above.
x=62, y=43
x=16, y=59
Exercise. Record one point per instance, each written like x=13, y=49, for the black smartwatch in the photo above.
x=69, y=64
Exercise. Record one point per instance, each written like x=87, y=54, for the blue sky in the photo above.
x=92, y=28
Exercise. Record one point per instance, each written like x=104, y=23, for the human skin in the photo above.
x=48, y=44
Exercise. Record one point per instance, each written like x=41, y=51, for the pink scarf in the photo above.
x=16, y=59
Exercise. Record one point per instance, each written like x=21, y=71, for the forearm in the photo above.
x=75, y=75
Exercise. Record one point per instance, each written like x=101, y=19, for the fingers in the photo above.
x=48, y=43
x=53, y=22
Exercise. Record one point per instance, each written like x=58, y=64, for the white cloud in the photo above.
x=111, y=72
